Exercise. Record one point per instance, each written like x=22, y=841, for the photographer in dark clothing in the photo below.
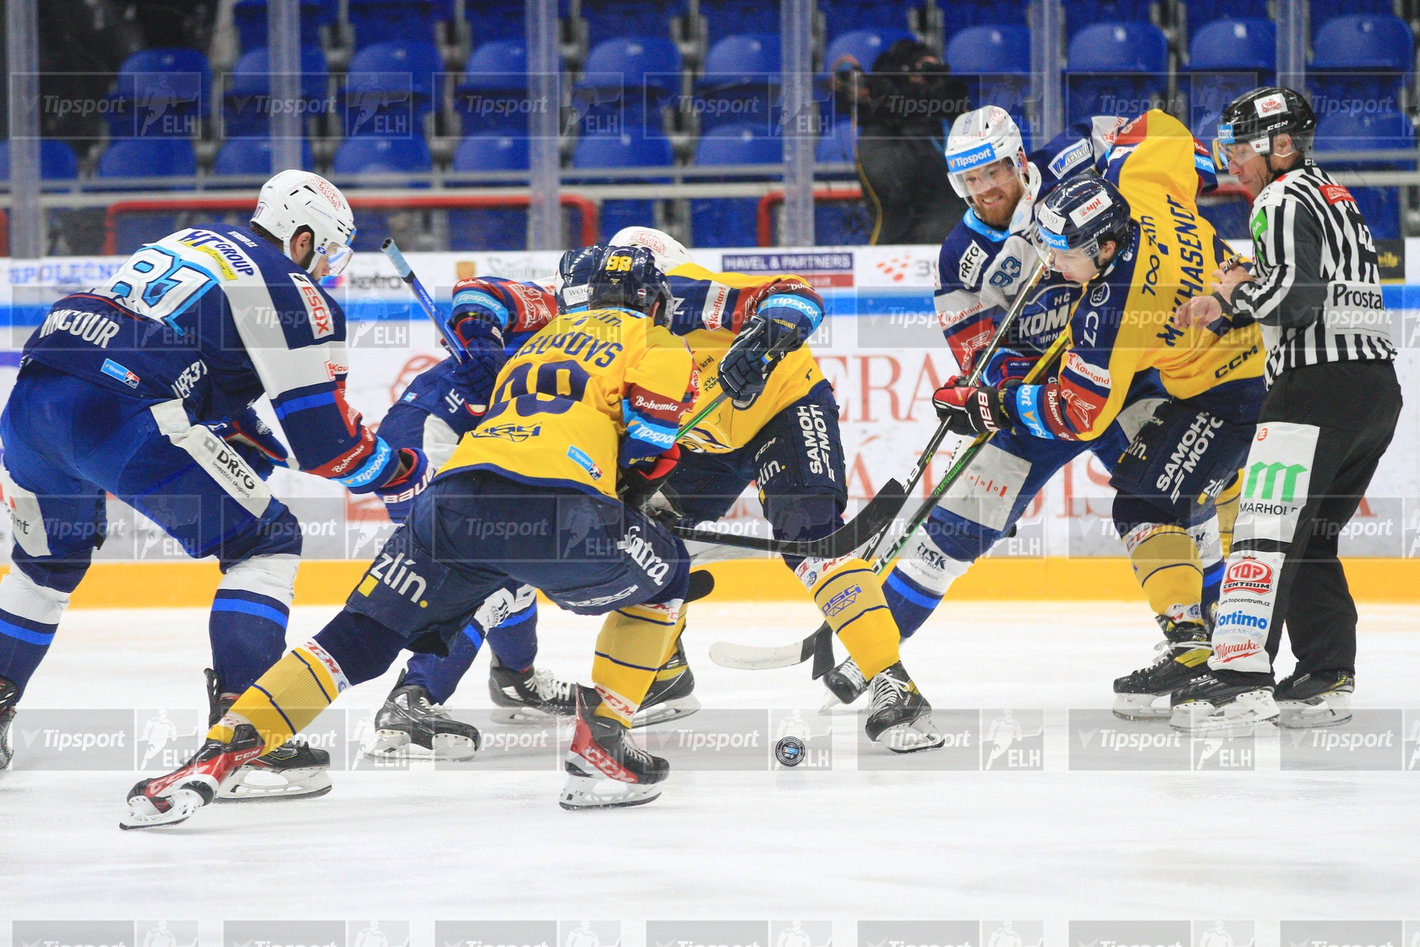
x=903, y=108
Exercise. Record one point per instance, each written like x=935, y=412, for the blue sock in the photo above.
x=1212, y=583
x=515, y=640
x=248, y=632
x=909, y=602
x=23, y=643
x=441, y=676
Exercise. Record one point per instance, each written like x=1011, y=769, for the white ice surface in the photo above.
x=838, y=844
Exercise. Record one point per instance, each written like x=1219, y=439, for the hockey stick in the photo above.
x=426, y=302
x=761, y=657
x=870, y=520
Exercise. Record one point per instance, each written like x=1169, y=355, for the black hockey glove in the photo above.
x=972, y=411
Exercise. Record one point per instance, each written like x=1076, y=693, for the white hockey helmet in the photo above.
x=295, y=199
x=981, y=137
x=670, y=252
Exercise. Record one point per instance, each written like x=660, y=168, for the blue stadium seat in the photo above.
x=732, y=222
x=389, y=89
x=492, y=96
x=994, y=61
x=1343, y=131
x=626, y=150
x=250, y=18
x=856, y=49
x=630, y=77
x=57, y=161
x=1362, y=62
x=841, y=16
x=385, y=21
x=253, y=156
x=490, y=228
x=161, y=93
x=1115, y=69
x=145, y=157
x=369, y=155
x=608, y=19
x=1081, y=14
x=961, y=14
x=1200, y=13
x=245, y=108
x=727, y=17
x=495, y=21
x=740, y=82
x=1226, y=59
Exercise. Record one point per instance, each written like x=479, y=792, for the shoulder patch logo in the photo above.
x=317, y=311
x=971, y=262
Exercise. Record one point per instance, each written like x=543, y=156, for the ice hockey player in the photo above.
x=982, y=267
x=144, y=388
x=779, y=430
x=1133, y=271
x=588, y=407
x=1330, y=412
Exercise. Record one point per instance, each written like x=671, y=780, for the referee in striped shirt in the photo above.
x=1329, y=415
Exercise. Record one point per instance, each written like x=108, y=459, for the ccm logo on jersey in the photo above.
x=321, y=318
x=970, y=266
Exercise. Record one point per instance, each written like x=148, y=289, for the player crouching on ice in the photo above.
x=731, y=322
x=595, y=402
x=144, y=388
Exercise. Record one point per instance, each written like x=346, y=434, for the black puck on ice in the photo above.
x=789, y=751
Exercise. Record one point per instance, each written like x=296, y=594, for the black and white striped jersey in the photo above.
x=1317, y=290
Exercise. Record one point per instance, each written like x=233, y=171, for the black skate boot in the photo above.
x=1209, y=706
x=532, y=696
x=1183, y=656
x=1318, y=699
x=167, y=800
x=8, y=692
x=410, y=726
x=845, y=684
x=900, y=717
x=670, y=695
x=292, y=770
x=604, y=768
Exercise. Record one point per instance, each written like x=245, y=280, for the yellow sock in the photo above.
x=1167, y=565
x=291, y=694
x=1227, y=508
x=633, y=644
x=848, y=594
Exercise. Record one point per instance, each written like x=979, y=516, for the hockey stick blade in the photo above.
x=875, y=516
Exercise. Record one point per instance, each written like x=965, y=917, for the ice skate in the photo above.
x=1319, y=699
x=670, y=695
x=1182, y=656
x=410, y=726
x=1217, y=708
x=292, y=770
x=170, y=799
x=604, y=768
x=8, y=690
x=900, y=717
x=845, y=684
x=534, y=696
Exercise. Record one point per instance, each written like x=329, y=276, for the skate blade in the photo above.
x=1331, y=711
x=832, y=702
x=1239, y=718
x=597, y=792
x=666, y=712
x=396, y=745
x=524, y=716
x=249, y=784
x=142, y=814
x=919, y=734
x=1142, y=707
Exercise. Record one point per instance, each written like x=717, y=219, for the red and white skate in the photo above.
x=170, y=799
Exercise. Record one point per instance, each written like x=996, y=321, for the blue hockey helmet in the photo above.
x=1079, y=216
x=573, y=283
x=628, y=278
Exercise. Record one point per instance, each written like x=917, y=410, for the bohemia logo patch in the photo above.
x=1335, y=194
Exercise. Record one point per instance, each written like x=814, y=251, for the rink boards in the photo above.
x=883, y=352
